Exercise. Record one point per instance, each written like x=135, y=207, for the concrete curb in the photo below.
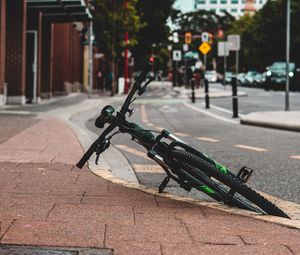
x=277, y=120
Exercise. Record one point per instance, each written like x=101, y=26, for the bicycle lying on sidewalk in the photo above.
x=181, y=162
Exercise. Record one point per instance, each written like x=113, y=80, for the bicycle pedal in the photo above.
x=245, y=173
x=163, y=185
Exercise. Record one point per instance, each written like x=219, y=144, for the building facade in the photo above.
x=236, y=8
x=41, y=49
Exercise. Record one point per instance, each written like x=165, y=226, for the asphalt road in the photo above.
x=267, y=151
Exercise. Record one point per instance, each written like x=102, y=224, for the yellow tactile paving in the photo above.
x=148, y=168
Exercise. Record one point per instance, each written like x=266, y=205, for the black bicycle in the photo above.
x=181, y=162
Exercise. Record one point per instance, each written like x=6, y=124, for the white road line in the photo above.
x=223, y=109
x=208, y=139
x=210, y=114
x=16, y=112
x=250, y=148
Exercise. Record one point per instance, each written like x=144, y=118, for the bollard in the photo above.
x=192, y=83
x=234, y=98
x=206, y=94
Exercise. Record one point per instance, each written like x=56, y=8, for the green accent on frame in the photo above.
x=223, y=169
x=206, y=190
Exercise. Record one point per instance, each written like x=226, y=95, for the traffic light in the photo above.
x=188, y=38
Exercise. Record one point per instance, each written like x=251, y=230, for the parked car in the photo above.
x=211, y=75
x=228, y=77
x=241, y=79
x=250, y=78
x=276, y=76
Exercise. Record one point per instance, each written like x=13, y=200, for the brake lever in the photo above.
x=101, y=148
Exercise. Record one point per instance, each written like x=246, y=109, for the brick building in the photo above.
x=41, y=50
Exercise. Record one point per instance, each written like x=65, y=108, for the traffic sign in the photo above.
x=234, y=42
x=177, y=55
x=204, y=48
x=204, y=37
x=223, y=50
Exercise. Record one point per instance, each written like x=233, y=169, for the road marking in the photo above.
x=132, y=151
x=210, y=114
x=250, y=147
x=16, y=112
x=295, y=157
x=223, y=109
x=155, y=169
x=208, y=139
x=181, y=134
x=144, y=114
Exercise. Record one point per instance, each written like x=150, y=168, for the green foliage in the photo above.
x=153, y=36
x=111, y=20
x=264, y=35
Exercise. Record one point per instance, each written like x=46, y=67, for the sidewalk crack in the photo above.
x=105, y=233
x=286, y=246
x=161, y=249
x=155, y=198
x=243, y=240
x=1, y=236
x=76, y=179
x=83, y=196
x=50, y=211
x=134, y=220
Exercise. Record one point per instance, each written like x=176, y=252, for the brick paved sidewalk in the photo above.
x=45, y=200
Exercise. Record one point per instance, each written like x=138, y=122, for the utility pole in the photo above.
x=126, y=57
x=91, y=59
x=287, y=77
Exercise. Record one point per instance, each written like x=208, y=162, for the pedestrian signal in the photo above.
x=188, y=38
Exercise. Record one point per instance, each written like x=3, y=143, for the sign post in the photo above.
x=234, y=43
x=223, y=51
x=176, y=58
x=204, y=48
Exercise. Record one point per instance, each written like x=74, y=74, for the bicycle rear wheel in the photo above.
x=224, y=183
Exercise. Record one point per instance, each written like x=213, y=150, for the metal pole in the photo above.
x=287, y=78
x=91, y=59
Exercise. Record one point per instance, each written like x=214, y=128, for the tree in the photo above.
x=153, y=36
x=111, y=20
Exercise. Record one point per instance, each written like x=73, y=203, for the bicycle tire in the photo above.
x=230, y=180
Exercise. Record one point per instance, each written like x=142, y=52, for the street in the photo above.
x=271, y=153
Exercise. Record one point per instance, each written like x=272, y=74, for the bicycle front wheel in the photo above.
x=231, y=189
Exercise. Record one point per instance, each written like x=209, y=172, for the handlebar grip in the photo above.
x=86, y=156
x=145, y=70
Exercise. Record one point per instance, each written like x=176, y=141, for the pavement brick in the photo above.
x=211, y=249
x=151, y=233
x=50, y=233
x=134, y=247
x=102, y=213
x=29, y=211
x=10, y=126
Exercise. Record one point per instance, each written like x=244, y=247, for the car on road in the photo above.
x=250, y=78
x=228, y=77
x=276, y=76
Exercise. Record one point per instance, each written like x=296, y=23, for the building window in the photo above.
x=213, y=1
x=201, y=2
x=233, y=10
x=234, y=1
x=223, y=1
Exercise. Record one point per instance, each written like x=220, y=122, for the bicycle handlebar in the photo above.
x=108, y=111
